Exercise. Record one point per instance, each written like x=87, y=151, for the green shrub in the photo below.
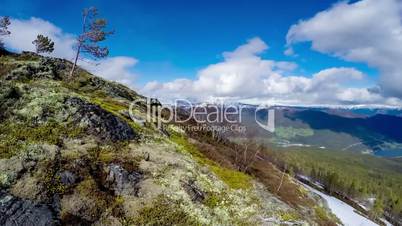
x=163, y=212
x=289, y=216
x=53, y=184
x=325, y=218
x=212, y=200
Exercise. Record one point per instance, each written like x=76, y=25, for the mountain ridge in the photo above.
x=69, y=147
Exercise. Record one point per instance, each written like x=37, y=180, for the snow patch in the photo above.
x=346, y=214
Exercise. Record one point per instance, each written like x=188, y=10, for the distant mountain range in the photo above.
x=366, y=130
x=369, y=130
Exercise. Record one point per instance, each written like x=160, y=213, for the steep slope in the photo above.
x=71, y=155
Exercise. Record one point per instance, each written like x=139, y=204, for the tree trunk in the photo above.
x=251, y=162
x=80, y=43
x=280, y=184
x=75, y=62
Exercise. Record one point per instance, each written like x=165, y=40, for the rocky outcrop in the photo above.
x=45, y=68
x=111, y=88
x=120, y=181
x=195, y=193
x=18, y=212
x=100, y=122
x=68, y=178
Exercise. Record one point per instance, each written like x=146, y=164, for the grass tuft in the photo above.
x=233, y=178
x=163, y=212
x=15, y=136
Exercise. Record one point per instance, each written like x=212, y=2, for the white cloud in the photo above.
x=23, y=32
x=368, y=31
x=289, y=52
x=244, y=76
x=117, y=69
x=254, y=47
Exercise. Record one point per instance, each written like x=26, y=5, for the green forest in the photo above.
x=349, y=175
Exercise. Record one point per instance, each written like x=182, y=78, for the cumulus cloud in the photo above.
x=367, y=31
x=23, y=32
x=117, y=69
x=245, y=76
x=254, y=47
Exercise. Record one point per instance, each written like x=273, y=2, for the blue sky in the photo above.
x=344, y=52
x=177, y=38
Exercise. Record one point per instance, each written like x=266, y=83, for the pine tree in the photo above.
x=378, y=207
x=93, y=32
x=291, y=171
x=4, y=23
x=332, y=182
x=397, y=208
x=352, y=190
x=43, y=44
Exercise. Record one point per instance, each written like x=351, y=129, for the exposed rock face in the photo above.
x=19, y=212
x=100, y=122
x=112, y=88
x=68, y=178
x=193, y=191
x=10, y=169
x=120, y=181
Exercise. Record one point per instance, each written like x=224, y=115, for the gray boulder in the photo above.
x=195, y=193
x=120, y=181
x=100, y=122
x=18, y=212
x=68, y=178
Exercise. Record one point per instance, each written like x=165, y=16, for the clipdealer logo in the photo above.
x=216, y=117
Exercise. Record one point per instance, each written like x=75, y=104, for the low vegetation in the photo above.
x=291, y=132
x=15, y=136
x=163, y=212
x=260, y=167
x=233, y=178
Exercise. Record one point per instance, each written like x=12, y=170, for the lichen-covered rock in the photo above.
x=36, y=152
x=68, y=178
x=112, y=88
x=10, y=170
x=37, y=67
x=31, y=71
x=100, y=122
x=18, y=212
x=39, y=104
x=108, y=221
x=120, y=181
x=195, y=193
x=9, y=94
x=81, y=208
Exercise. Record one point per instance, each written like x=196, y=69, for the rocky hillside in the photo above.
x=71, y=155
